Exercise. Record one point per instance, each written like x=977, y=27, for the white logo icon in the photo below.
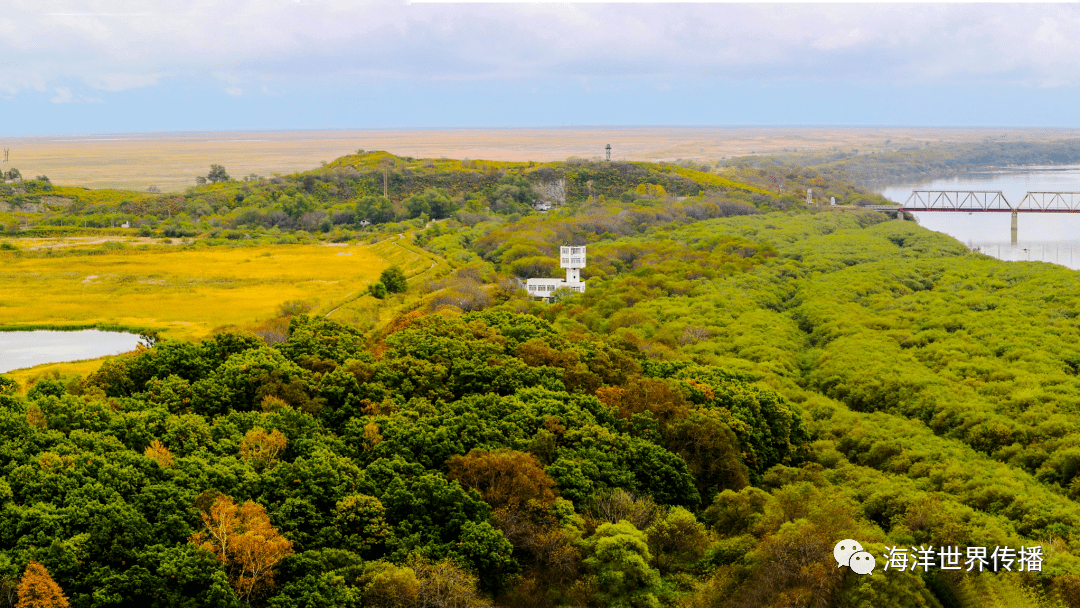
x=862, y=563
x=843, y=550
x=850, y=553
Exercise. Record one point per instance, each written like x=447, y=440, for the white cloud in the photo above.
x=121, y=82
x=63, y=95
x=834, y=41
x=115, y=45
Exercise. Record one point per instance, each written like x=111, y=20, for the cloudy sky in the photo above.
x=116, y=66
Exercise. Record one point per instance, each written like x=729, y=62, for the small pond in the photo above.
x=19, y=349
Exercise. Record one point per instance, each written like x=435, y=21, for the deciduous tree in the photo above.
x=243, y=538
x=505, y=478
x=653, y=395
x=160, y=454
x=445, y=584
x=37, y=589
x=261, y=448
x=217, y=174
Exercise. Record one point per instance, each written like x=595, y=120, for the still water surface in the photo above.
x=19, y=349
x=1041, y=237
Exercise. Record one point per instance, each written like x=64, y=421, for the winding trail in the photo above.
x=344, y=301
x=419, y=274
x=401, y=236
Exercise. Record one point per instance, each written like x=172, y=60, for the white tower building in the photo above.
x=573, y=260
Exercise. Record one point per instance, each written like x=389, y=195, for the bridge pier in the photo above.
x=1014, y=228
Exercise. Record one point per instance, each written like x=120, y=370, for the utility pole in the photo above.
x=385, y=191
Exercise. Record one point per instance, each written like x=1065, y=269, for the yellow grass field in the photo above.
x=28, y=376
x=186, y=292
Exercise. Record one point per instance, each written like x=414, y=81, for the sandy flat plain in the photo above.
x=171, y=161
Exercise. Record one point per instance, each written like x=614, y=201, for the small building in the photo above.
x=573, y=260
x=542, y=288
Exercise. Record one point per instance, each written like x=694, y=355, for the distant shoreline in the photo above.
x=171, y=161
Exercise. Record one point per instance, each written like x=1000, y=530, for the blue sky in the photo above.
x=116, y=66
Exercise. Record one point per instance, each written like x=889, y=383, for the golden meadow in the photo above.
x=185, y=291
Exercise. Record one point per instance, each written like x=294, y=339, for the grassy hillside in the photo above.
x=376, y=191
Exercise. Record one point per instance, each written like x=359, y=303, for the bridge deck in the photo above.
x=987, y=201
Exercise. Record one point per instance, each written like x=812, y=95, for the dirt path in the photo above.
x=401, y=236
x=419, y=274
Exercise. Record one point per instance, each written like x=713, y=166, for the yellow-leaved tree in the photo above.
x=260, y=448
x=160, y=454
x=242, y=538
x=37, y=589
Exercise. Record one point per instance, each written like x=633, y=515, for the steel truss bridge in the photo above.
x=980, y=201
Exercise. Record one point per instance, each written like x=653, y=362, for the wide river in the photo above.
x=19, y=349
x=1041, y=237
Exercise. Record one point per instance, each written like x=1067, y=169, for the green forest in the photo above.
x=376, y=192
x=746, y=381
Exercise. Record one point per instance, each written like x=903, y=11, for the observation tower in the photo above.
x=573, y=260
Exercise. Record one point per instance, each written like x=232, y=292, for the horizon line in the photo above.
x=540, y=127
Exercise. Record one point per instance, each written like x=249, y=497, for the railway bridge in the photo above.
x=985, y=201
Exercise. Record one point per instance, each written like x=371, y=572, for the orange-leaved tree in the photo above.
x=505, y=478
x=37, y=589
x=657, y=396
x=242, y=537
